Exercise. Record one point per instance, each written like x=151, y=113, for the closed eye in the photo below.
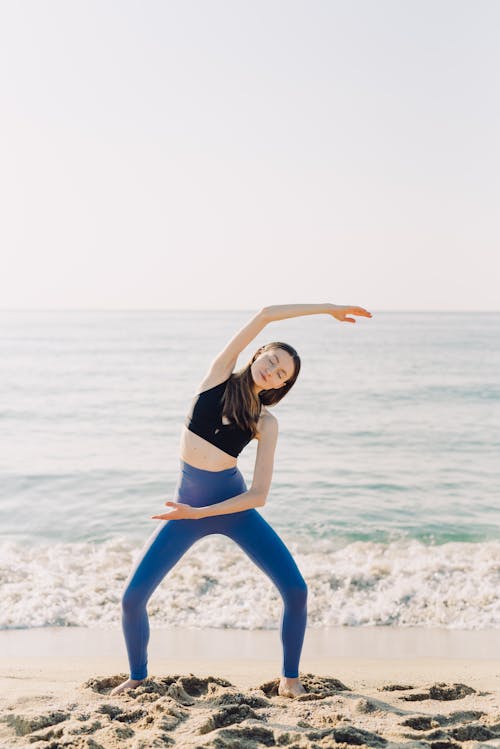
x=281, y=372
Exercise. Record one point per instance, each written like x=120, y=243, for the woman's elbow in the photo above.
x=265, y=313
x=259, y=497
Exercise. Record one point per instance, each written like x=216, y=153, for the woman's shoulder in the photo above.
x=264, y=411
x=267, y=427
x=213, y=380
x=266, y=419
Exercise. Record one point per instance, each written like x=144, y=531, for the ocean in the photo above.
x=386, y=486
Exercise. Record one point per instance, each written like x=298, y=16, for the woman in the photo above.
x=226, y=414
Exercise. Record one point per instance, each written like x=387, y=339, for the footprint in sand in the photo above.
x=237, y=698
x=227, y=717
x=427, y=722
x=422, y=722
x=471, y=731
x=23, y=725
x=347, y=735
x=435, y=725
x=442, y=691
x=233, y=738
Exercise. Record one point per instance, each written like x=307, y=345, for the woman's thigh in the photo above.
x=163, y=549
x=167, y=544
x=266, y=549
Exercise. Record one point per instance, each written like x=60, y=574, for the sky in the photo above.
x=221, y=154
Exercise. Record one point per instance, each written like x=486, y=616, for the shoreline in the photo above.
x=328, y=642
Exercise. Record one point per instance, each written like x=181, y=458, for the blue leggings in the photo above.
x=173, y=538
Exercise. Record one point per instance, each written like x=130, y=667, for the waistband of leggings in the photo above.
x=190, y=470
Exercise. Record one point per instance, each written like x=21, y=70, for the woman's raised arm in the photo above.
x=339, y=311
x=225, y=361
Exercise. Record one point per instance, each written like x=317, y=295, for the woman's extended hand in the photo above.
x=340, y=311
x=181, y=511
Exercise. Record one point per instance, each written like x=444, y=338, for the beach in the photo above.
x=219, y=689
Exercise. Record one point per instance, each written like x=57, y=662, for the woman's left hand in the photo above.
x=340, y=312
x=181, y=511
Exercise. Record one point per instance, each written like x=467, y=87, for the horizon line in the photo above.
x=216, y=309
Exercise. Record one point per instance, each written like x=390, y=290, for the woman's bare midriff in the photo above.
x=199, y=453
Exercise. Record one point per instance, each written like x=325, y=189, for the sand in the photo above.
x=212, y=699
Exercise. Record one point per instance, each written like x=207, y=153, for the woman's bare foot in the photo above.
x=290, y=687
x=129, y=684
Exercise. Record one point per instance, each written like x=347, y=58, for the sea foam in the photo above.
x=403, y=583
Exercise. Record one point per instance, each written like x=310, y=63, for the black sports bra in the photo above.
x=205, y=420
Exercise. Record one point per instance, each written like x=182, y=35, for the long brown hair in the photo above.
x=241, y=405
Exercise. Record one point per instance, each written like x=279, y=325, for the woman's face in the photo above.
x=272, y=369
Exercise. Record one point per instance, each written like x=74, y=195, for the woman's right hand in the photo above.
x=179, y=511
x=340, y=312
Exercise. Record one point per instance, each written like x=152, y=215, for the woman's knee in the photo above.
x=295, y=595
x=132, y=599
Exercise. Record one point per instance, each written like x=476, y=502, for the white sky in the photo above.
x=229, y=154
